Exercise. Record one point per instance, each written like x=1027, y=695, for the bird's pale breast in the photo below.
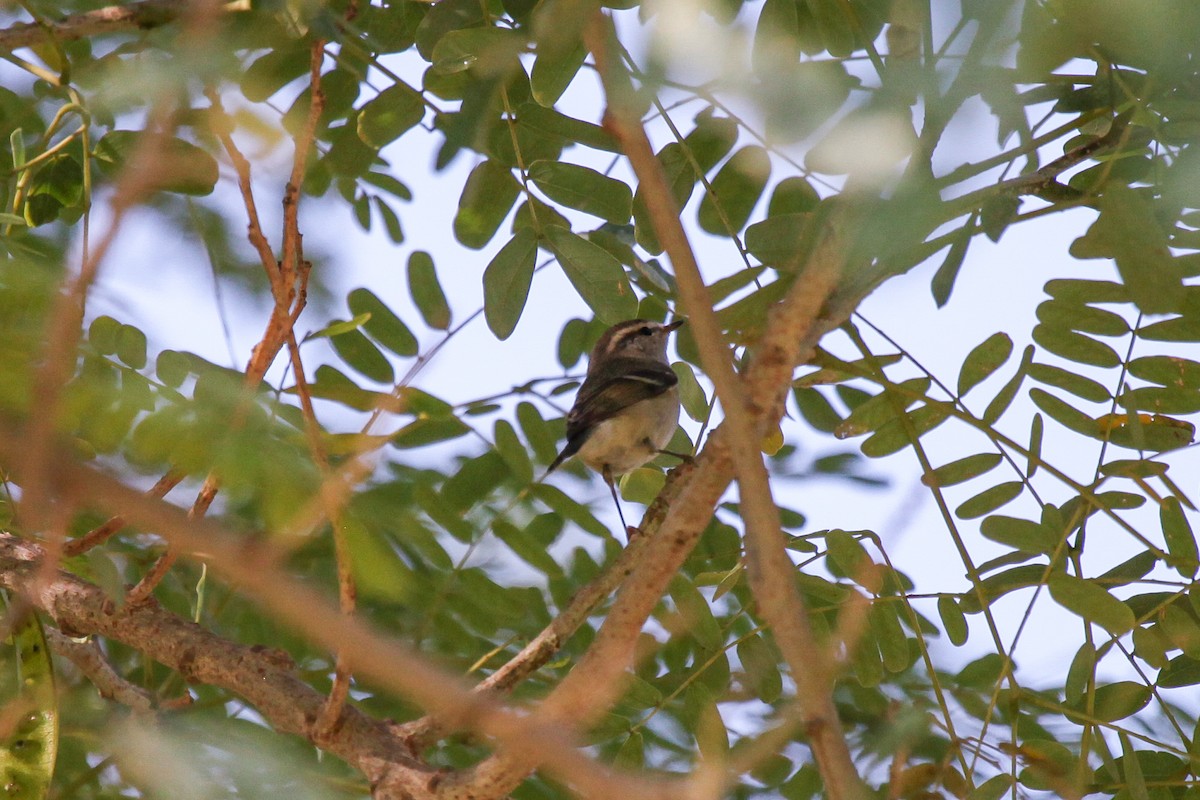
x=634, y=436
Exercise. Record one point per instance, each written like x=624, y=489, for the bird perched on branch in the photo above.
x=628, y=406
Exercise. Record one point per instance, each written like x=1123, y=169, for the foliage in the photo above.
x=1054, y=458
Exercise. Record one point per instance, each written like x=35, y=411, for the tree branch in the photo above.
x=252, y=565
x=771, y=572
x=112, y=19
x=265, y=678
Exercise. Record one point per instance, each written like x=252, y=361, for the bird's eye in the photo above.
x=646, y=330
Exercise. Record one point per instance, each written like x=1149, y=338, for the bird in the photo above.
x=628, y=406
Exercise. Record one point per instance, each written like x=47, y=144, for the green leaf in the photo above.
x=340, y=326
x=1091, y=602
x=762, y=668
x=889, y=636
x=378, y=571
x=1037, y=430
x=363, y=356
x=777, y=240
x=1075, y=346
x=896, y=435
x=584, y=189
x=817, y=410
x=449, y=15
x=681, y=178
x=848, y=558
x=641, y=485
x=506, y=282
x=735, y=191
x=1000, y=584
x=16, y=145
x=596, y=275
x=1128, y=231
x=526, y=547
x=1079, y=290
x=429, y=430
x=691, y=395
x=953, y=620
x=947, y=273
x=330, y=384
x=1161, y=399
x=131, y=347
x=883, y=407
x=711, y=140
x=792, y=195
x=271, y=72
x=1134, y=780
x=568, y=508
x=550, y=121
x=1020, y=534
x=1064, y=414
x=964, y=469
x=172, y=368
x=1181, y=541
x=391, y=222
x=382, y=323
x=1115, y=701
x=488, y=52
x=983, y=360
x=989, y=500
x=487, y=197
x=30, y=744
x=192, y=170
x=993, y=788
x=632, y=753
x=538, y=432
x=1004, y=397
x=390, y=114
x=426, y=292
x=513, y=452
x=553, y=71
x=1077, y=385
x=103, y=334
x=696, y=612
x=1180, y=671
x=1080, y=673
x=1175, y=329
x=1083, y=318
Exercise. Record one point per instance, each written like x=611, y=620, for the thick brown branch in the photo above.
x=265, y=678
x=112, y=19
x=385, y=662
x=770, y=570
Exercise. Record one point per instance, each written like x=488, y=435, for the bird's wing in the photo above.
x=625, y=382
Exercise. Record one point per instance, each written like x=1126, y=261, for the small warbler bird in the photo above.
x=628, y=406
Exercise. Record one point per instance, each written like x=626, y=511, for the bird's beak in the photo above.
x=673, y=324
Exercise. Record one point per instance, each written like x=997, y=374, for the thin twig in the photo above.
x=288, y=279
x=106, y=530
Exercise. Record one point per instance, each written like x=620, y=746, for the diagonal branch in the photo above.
x=770, y=570
x=111, y=19
x=793, y=328
x=253, y=567
x=266, y=678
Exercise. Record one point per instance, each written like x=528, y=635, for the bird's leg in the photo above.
x=684, y=457
x=612, y=487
